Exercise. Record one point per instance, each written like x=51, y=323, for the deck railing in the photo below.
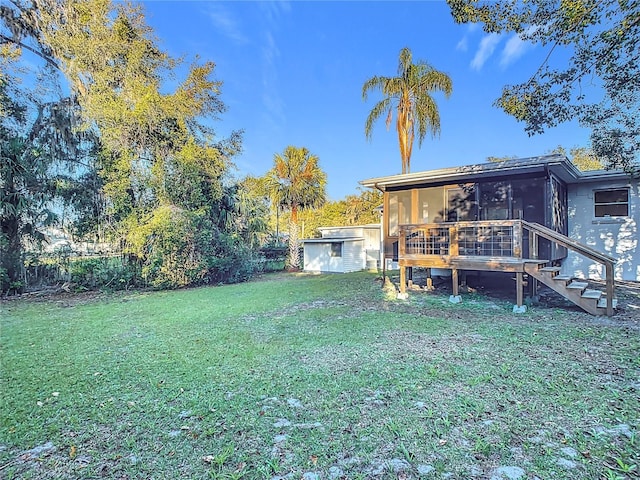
x=494, y=238
x=536, y=230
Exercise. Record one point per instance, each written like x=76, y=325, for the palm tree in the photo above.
x=410, y=94
x=295, y=182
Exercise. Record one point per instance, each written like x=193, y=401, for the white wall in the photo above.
x=317, y=257
x=340, y=232
x=353, y=256
x=370, y=233
x=617, y=237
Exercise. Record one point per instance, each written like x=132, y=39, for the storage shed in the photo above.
x=343, y=249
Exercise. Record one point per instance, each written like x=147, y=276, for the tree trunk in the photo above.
x=294, y=246
x=12, y=255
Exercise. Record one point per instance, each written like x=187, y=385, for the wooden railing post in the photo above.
x=454, y=249
x=533, y=244
x=517, y=239
x=610, y=288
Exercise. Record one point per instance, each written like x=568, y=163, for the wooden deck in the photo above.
x=467, y=262
x=475, y=263
x=499, y=246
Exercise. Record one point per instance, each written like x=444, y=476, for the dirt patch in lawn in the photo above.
x=499, y=288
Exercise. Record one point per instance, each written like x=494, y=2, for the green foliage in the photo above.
x=582, y=157
x=410, y=94
x=178, y=248
x=112, y=273
x=357, y=209
x=36, y=143
x=168, y=247
x=296, y=182
x=500, y=159
x=599, y=84
x=154, y=177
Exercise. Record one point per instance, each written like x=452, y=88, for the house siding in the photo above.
x=617, y=237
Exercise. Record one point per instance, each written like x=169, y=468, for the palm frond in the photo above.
x=411, y=92
x=378, y=110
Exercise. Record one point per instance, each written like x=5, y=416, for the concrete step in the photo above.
x=595, y=294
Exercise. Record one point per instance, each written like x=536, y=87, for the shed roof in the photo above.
x=332, y=240
x=349, y=227
x=558, y=164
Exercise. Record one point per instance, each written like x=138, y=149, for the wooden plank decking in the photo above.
x=500, y=264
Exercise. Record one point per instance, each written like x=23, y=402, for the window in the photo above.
x=336, y=249
x=431, y=205
x=611, y=203
x=461, y=203
x=399, y=211
x=494, y=200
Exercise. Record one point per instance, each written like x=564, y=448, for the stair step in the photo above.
x=563, y=278
x=596, y=294
x=577, y=285
x=602, y=302
x=550, y=269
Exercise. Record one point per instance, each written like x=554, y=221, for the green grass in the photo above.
x=295, y=374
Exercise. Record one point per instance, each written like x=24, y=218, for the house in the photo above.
x=343, y=249
x=537, y=217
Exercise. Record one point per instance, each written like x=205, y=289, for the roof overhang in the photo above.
x=351, y=227
x=556, y=164
x=332, y=240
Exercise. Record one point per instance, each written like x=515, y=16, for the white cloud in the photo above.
x=487, y=45
x=270, y=96
x=462, y=44
x=226, y=23
x=273, y=11
x=513, y=50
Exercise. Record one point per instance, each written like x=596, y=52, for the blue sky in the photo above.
x=293, y=75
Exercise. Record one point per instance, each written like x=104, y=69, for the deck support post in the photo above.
x=409, y=276
x=519, y=300
x=454, y=280
x=403, y=279
x=533, y=287
x=429, y=284
x=463, y=281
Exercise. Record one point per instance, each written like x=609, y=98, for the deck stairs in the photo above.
x=575, y=290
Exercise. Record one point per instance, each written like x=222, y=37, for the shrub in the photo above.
x=178, y=248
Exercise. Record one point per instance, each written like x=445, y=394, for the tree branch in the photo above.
x=48, y=59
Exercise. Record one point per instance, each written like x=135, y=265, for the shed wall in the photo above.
x=317, y=257
x=353, y=256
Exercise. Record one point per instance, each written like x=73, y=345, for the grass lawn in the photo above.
x=314, y=377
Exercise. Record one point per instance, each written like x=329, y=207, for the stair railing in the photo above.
x=536, y=230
